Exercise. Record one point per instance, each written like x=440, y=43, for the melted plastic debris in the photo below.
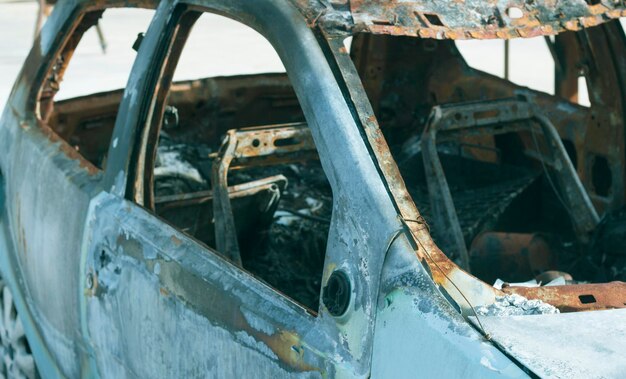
x=516, y=305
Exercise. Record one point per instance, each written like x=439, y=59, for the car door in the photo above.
x=160, y=304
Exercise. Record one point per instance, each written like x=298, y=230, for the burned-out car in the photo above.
x=374, y=210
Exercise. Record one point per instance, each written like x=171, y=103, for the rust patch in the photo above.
x=288, y=347
x=68, y=150
x=91, y=289
x=477, y=19
x=467, y=19
x=197, y=293
x=574, y=298
x=176, y=241
x=515, y=256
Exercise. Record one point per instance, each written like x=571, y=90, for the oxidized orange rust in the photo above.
x=94, y=290
x=468, y=19
x=432, y=19
x=276, y=140
x=574, y=298
x=68, y=150
x=176, y=240
x=440, y=265
x=510, y=256
x=287, y=346
x=425, y=248
x=450, y=77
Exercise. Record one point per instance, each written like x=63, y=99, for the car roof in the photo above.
x=460, y=19
x=445, y=19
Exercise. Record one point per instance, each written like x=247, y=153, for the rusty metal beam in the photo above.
x=503, y=114
x=469, y=19
x=250, y=147
x=574, y=298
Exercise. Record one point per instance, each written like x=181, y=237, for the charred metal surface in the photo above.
x=269, y=145
x=520, y=255
x=242, y=190
x=87, y=124
x=212, y=106
x=386, y=75
x=480, y=19
x=112, y=290
x=470, y=19
x=54, y=78
x=253, y=206
x=389, y=65
x=341, y=149
x=444, y=272
x=216, y=105
x=248, y=148
x=184, y=296
x=496, y=117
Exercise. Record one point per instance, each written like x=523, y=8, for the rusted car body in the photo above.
x=103, y=287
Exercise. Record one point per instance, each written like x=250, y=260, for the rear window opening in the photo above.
x=513, y=220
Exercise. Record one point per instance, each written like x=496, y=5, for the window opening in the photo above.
x=235, y=166
x=83, y=89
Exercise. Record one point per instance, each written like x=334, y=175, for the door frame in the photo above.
x=365, y=221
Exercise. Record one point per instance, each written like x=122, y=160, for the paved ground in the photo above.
x=91, y=70
x=243, y=51
x=19, y=19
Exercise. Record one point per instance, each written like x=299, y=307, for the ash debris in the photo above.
x=179, y=167
x=516, y=305
x=289, y=254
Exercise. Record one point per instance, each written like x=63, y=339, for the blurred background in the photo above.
x=107, y=52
